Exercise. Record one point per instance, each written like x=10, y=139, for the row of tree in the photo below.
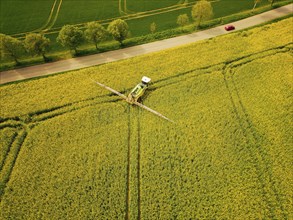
x=200, y=12
x=72, y=37
x=69, y=36
x=34, y=43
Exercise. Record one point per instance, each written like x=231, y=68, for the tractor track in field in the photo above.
x=48, y=20
x=33, y=118
x=260, y=164
x=265, y=158
x=12, y=154
x=126, y=15
x=24, y=124
x=133, y=191
x=178, y=78
x=52, y=17
x=8, y=150
x=138, y=165
x=255, y=161
x=123, y=8
x=127, y=197
x=129, y=15
x=260, y=158
x=49, y=23
x=52, y=21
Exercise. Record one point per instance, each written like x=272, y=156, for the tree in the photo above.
x=95, y=33
x=11, y=47
x=182, y=20
x=70, y=36
x=153, y=27
x=255, y=3
x=37, y=44
x=119, y=30
x=202, y=11
x=272, y=2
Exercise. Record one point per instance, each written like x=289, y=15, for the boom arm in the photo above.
x=152, y=111
x=136, y=103
x=111, y=90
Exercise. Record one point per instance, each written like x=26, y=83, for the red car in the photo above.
x=229, y=27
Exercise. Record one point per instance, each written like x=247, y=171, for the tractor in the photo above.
x=138, y=90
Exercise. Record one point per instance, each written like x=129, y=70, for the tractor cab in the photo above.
x=138, y=90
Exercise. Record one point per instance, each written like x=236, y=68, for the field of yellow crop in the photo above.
x=72, y=150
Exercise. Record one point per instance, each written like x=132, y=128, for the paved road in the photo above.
x=92, y=60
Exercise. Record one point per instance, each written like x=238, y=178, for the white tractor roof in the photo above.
x=146, y=79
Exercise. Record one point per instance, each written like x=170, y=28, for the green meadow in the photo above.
x=26, y=16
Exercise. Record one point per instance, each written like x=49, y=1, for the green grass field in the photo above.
x=71, y=150
x=25, y=16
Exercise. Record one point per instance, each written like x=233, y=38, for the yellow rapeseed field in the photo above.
x=71, y=150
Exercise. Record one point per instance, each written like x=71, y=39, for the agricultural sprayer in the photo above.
x=135, y=94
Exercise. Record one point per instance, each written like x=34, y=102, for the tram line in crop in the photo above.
x=192, y=73
x=127, y=197
x=265, y=158
x=10, y=159
x=13, y=137
x=138, y=166
x=261, y=159
x=133, y=166
x=23, y=125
